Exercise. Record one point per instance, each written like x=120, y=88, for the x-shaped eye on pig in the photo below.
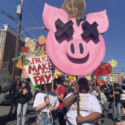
x=90, y=31
x=64, y=29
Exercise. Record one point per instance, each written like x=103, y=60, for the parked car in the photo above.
x=5, y=96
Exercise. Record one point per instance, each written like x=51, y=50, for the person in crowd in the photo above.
x=60, y=91
x=64, y=82
x=23, y=96
x=14, y=90
x=119, y=123
x=101, y=96
x=46, y=102
x=116, y=104
x=94, y=91
x=28, y=81
x=122, y=98
x=90, y=109
x=72, y=86
x=90, y=88
x=103, y=101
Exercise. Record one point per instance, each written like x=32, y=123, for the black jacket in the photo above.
x=23, y=98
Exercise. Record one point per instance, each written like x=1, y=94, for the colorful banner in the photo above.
x=39, y=70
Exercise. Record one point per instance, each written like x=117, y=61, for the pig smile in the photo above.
x=78, y=61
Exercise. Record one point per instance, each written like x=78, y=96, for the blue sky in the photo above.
x=114, y=37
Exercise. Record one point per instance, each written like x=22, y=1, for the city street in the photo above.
x=62, y=56
x=31, y=117
x=30, y=120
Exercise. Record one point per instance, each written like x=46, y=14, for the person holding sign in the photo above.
x=116, y=102
x=45, y=103
x=60, y=91
x=90, y=109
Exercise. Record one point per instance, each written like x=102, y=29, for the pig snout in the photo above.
x=77, y=50
x=81, y=48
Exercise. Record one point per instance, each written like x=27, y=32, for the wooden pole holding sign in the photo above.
x=114, y=104
x=78, y=99
x=51, y=117
x=78, y=106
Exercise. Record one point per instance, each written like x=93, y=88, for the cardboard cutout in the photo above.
x=74, y=54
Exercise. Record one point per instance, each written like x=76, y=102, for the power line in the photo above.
x=26, y=32
x=14, y=28
x=33, y=28
x=8, y=15
x=12, y=18
x=3, y=22
x=27, y=21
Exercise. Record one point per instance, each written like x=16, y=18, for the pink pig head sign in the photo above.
x=75, y=49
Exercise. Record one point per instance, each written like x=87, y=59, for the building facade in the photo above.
x=7, y=52
x=116, y=77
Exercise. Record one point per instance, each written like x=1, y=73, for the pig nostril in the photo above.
x=72, y=48
x=81, y=48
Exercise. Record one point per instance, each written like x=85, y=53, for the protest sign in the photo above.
x=39, y=70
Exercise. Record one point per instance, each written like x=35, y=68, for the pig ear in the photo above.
x=51, y=14
x=100, y=18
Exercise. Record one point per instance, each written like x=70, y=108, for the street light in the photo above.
x=33, y=28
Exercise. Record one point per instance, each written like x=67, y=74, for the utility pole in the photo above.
x=19, y=13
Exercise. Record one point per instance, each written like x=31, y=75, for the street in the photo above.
x=30, y=120
x=31, y=117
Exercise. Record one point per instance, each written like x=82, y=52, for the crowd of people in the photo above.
x=83, y=103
